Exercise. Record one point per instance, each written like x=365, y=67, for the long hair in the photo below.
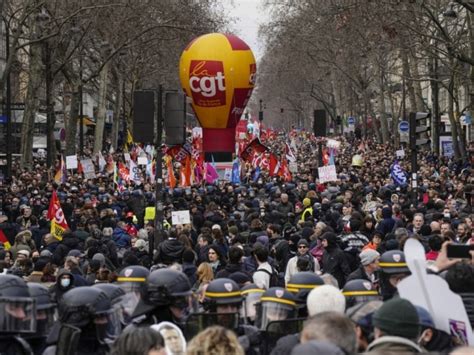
x=215, y=340
x=204, y=273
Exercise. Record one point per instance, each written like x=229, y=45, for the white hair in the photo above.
x=325, y=298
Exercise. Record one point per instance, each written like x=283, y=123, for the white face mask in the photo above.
x=65, y=282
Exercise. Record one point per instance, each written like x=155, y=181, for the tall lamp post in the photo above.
x=8, y=102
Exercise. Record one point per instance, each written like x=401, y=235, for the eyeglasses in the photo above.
x=302, y=247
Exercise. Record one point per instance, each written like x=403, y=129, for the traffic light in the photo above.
x=419, y=127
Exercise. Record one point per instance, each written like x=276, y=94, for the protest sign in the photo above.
x=327, y=173
x=142, y=160
x=400, y=154
x=432, y=293
x=88, y=168
x=71, y=162
x=180, y=217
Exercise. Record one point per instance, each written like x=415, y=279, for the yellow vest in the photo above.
x=307, y=210
x=150, y=214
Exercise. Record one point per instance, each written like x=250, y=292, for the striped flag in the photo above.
x=4, y=240
x=56, y=216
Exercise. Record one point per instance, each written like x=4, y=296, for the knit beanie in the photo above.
x=398, y=317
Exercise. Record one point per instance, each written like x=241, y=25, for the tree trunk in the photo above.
x=72, y=121
x=452, y=120
x=395, y=120
x=117, y=110
x=101, y=112
x=408, y=82
x=419, y=103
x=383, y=116
x=31, y=102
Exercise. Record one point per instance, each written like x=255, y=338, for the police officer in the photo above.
x=251, y=297
x=45, y=317
x=167, y=296
x=222, y=302
x=17, y=315
x=116, y=296
x=132, y=280
x=393, y=269
x=359, y=291
x=88, y=324
x=300, y=285
x=277, y=308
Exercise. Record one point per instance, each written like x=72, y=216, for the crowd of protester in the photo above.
x=264, y=232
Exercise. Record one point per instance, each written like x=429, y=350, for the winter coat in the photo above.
x=170, y=251
x=68, y=243
x=386, y=225
x=190, y=271
x=121, y=238
x=230, y=269
x=392, y=345
x=291, y=267
x=335, y=263
x=358, y=274
x=57, y=291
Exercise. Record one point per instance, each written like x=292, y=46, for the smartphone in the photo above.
x=460, y=251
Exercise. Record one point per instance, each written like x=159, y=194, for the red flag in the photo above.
x=179, y=152
x=252, y=148
x=185, y=180
x=284, y=171
x=274, y=165
x=4, y=240
x=124, y=172
x=171, y=177
x=56, y=216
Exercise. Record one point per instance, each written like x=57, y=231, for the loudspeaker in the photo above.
x=144, y=116
x=175, y=118
x=319, y=123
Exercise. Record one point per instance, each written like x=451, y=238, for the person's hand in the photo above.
x=443, y=262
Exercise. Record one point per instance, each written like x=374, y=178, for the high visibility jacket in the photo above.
x=307, y=214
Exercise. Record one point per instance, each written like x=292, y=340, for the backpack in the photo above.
x=277, y=279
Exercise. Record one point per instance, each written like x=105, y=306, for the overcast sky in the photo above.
x=248, y=15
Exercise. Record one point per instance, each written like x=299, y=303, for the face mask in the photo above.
x=65, y=282
x=447, y=215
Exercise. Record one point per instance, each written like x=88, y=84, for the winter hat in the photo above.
x=234, y=230
x=141, y=245
x=107, y=231
x=303, y=242
x=316, y=347
x=398, y=317
x=368, y=256
x=325, y=298
x=46, y=253
x=100, y=257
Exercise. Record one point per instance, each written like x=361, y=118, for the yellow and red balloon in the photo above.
x=217, y=71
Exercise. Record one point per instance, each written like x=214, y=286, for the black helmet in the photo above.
x=359, y=291
x=301, y=283
x=164, y=284
x=114, y=292
x=90, y=309
x=133, y=278
x=165, y=287
x=17, y=307
x=251, y=295
x=45, y=308
x=393, y=262
x=276, y=304
x=222, y=291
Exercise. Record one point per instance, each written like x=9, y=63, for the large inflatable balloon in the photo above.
x=217, y=72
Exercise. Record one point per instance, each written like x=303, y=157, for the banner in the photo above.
x=274, y=165
x=61, y=175
x=56, y=216
x=252, y=148
x=398, y=174
x=124, y=174
x=179, y=152
x=135, y=174
x=71, y=162
x=327, y=174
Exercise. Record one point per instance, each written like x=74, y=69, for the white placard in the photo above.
x=71, y=162
x=327, y=173
x=432, y=293
x=180, y=217
x=126, y=156
x=228, y=174
x=400, y=154
x=332, y=143
x=142, y=161
x=88, y=169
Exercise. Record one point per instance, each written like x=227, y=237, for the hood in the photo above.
x=386, y=212
x=61, y=273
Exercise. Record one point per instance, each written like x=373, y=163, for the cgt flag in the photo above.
x=254, y=147
x=398, y=175
x=56, y=216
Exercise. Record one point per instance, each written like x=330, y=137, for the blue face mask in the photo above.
x=65, y=282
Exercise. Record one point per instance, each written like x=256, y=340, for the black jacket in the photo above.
x=68, y=243
x=230, y=269
x=170, y=251
x=335, y=263
x=358, y=274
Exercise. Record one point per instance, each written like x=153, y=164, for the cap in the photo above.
x=216, y=226
x=368, y=256
x=76, y=253
x=303, y=242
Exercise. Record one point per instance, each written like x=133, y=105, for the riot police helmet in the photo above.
x=251, y=297
x=359, y=291
x=222, y=292
x=17, y=307
x=301, y=283
x=45, y=308
x=276, y=304
x=393, y=262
